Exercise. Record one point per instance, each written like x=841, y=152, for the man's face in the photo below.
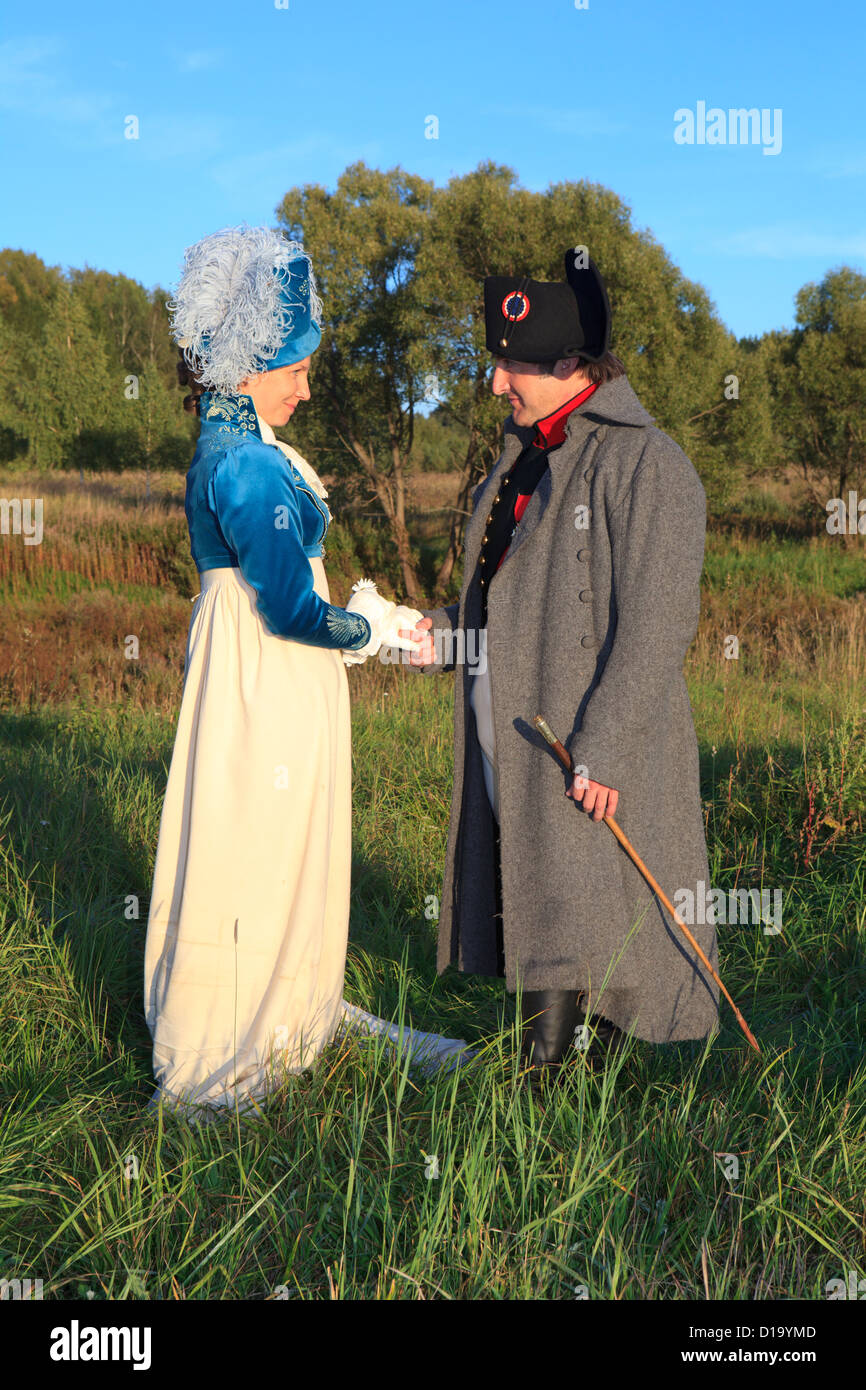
x=277, y=393
x=533, y=396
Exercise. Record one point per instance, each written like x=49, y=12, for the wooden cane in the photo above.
x=566, y=759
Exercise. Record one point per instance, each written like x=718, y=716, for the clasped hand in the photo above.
x=384, y=618
x=420, y=635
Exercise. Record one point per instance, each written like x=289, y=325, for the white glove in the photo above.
x=401, y=617
x=384, y=617
x=353, y=659
x=367, y=601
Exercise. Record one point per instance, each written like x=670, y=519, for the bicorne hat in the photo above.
x=246, y=303
x=543, y=320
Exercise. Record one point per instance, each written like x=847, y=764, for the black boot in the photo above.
x=602, y=1039
x=550, y=1018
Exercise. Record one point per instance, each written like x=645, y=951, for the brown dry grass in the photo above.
x=55, y=652
x=114, y=563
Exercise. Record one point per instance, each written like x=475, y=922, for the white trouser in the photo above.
x=482, y=708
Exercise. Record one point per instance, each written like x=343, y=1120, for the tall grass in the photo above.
x=365, y=1178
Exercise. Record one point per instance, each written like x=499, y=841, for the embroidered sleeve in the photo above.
x=256, y=504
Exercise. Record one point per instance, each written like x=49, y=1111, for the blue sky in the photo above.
x=238, y=102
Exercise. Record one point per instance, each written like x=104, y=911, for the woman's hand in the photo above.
x=424, y=654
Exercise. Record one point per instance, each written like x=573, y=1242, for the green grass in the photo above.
x=614, y=1186
x=813, y=569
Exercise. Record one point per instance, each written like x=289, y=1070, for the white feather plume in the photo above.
x=228, y=313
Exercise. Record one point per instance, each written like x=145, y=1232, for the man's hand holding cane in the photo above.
x=597, y=800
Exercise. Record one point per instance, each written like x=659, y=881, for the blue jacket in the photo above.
x=248, y=507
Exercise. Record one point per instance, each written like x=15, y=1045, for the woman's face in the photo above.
x=275, y=394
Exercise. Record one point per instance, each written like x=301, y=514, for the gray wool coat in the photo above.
x=589, y=619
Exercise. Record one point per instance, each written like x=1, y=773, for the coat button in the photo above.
x=484, y=541
x=585, y=595
x=588, y=475
x=482, y=561
x=489, y=519
x=583, y=555
x=587, y=641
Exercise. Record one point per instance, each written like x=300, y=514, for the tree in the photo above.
x=368, y=374
x=481, y=224
x=677, y=352
x=133, y=323
x=69, y=348
x=818, y=380
x=28, y=293
x=70, y=392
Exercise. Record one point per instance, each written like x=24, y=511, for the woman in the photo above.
x=248, y=923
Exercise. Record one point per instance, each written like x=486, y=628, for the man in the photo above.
x=582, y=563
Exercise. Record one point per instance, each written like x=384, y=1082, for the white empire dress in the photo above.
x=249, y=913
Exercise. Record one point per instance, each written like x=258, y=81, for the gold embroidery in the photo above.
x=230, y=408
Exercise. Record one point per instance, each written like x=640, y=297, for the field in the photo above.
x=621, y=1185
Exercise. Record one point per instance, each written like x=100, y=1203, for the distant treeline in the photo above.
x=88, y=379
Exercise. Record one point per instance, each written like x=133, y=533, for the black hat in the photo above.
x=541, y=321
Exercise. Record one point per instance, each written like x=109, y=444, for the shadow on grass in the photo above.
x=83, y=801
x=78, y=860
